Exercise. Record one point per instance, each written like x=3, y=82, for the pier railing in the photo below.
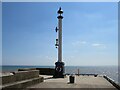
x=115, y=84
x=83, y=74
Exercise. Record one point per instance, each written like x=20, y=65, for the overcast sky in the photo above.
x=90, y=33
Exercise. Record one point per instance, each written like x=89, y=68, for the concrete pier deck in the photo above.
x=80, y=82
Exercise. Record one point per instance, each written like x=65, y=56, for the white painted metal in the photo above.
x=60, y=40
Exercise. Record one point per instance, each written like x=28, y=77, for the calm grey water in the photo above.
x=111, y=71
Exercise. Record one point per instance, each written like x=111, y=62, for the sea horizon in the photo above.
x=66, y=65
x=111, y=70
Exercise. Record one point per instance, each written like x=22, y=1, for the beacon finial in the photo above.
x=60, y=11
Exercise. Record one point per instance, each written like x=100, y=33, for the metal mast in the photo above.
x=59, y=69
x=60, y=17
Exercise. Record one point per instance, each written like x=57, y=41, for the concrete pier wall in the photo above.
x=112, y=82
x=46, y=71
x=20, y=79
x=18, y=76
x=42, y=71
x=26, y=69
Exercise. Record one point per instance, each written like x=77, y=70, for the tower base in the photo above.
x=59, y=70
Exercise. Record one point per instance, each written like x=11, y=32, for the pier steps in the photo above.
x=23, y=83
x=21, y=79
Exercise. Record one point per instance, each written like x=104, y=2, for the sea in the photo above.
x=110, y=71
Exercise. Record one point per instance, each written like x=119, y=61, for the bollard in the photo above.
x=71, y=78
x=95, y=75
x=78, y=72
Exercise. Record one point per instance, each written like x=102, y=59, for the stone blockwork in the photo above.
x=21, y=79
x=20, y=75
x=22, y=84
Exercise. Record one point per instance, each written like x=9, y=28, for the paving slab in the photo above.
x=80, y=82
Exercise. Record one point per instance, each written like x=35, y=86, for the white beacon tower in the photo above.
x=59, y=65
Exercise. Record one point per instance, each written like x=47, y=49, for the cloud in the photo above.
x=88, y=44
x=83, y=42
x=77, y=43
x=98, y=45
x=94, y=16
